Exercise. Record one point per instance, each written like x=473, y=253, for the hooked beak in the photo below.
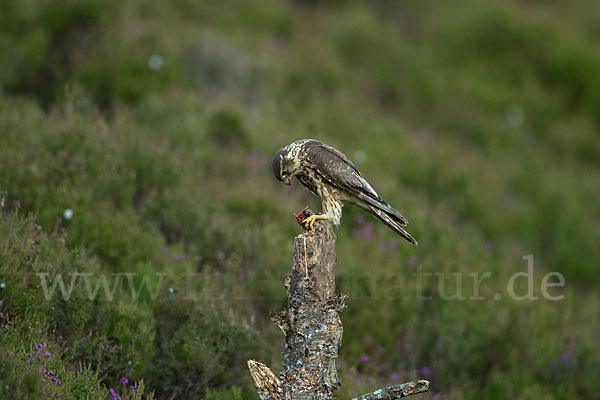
x=287, y=181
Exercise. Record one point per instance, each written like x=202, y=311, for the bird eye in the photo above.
x=283, y=174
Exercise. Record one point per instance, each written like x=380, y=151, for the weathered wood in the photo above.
x=312, y=328
x=397, y=391
x=311, y=325
x=268, y=385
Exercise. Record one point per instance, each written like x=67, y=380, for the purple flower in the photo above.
x=124, y=381
x=367, y=232
x=164, y=248
x=1, y=303
x=394, y=376
x=177, y=257
x=412, y=261
x=28, y=362
x=365, y=358
x=568, y=355
x=47, y=354
x=43, y=371
x=51, y=373
x=59, y=383
x=102, y=346
x=424, y=371
x=59, y=220
x=568, y=358
x=18, y=204
x=364, y=228
x=132, y=387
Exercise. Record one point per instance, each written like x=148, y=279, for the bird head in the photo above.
x=285, y=164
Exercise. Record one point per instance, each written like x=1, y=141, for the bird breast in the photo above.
x=330, y=197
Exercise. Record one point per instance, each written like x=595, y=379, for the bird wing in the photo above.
x=336, y=153
x=338, y=170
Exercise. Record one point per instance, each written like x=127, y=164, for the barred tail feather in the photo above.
x=380, y=204
x=391, y=222
x=396, y=216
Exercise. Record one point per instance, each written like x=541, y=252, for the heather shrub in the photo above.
x=135, y=170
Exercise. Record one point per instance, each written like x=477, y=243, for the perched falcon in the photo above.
x=330, y=175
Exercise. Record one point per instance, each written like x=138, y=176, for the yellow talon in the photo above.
x=309, y=223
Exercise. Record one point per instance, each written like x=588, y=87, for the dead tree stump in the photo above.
x=311, y=325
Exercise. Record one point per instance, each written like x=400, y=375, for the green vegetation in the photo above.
x=155, y=122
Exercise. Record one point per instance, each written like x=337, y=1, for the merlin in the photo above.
x=330, y=175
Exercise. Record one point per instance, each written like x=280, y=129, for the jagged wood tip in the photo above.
x=267, y=384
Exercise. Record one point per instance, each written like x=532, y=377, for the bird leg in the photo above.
x=310, y=221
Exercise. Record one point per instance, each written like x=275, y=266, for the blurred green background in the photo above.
x=155, y=122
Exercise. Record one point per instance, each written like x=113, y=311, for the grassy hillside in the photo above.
x=136, y=144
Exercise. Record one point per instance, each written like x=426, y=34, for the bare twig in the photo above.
x=397, y=391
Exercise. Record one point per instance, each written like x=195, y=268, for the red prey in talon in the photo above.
x=303, y=216
x=307, y=218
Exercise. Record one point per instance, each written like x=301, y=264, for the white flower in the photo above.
x=360, y=156
x=68, y=213
x=514, y=115
x=155, y=61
